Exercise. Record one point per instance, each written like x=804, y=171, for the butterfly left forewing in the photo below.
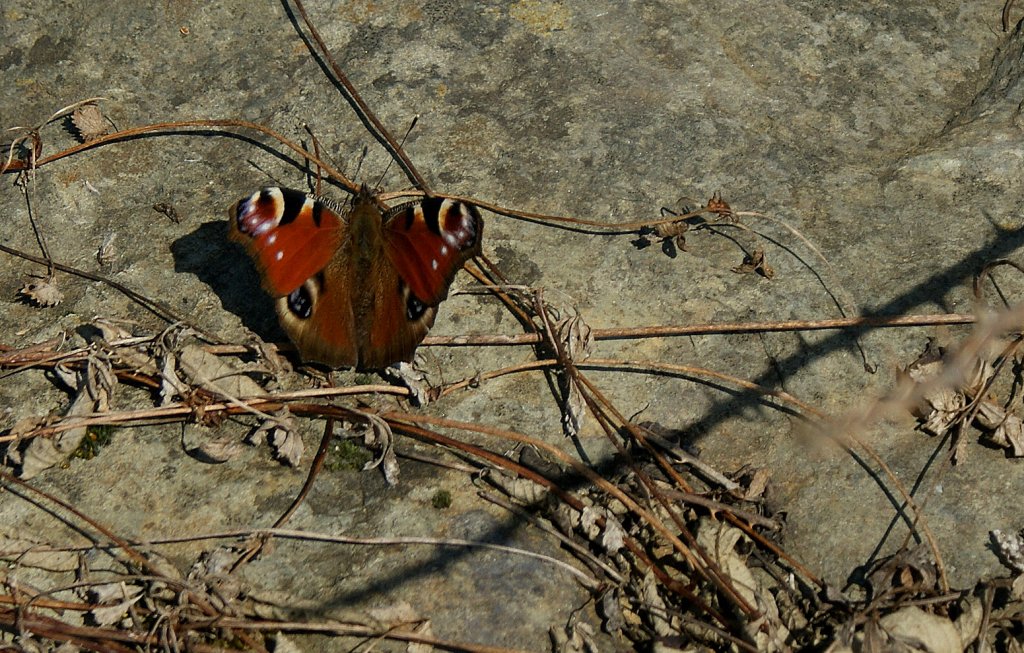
x=297, y=242
x=289, y=235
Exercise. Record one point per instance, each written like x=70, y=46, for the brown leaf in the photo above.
x=89, y=121
x=1004, y=429
x=917, y=630
x=755, y=262
x=168, y=210
x=415, y=380
x=42, y=293
x=281, y=434
x=379, y=436
x=720, y=207
x=216, y=373
x=1010, y=549
x=217, y=451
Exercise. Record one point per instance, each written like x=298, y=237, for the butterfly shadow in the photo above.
x=224, y=266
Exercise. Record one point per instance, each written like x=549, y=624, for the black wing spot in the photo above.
x=414, y=308
x=293, y=202
x=432, y=212
x=300, y=302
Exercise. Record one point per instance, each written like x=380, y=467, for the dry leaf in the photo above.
x=42, y=293
x=93, y=388
x=1003, y=429
x=216, y=373
x=281, y=434
x=656, y=607
x=106, y=253
x=521, y=489
x=611, y=611
x=89, y=121
x=673, y=232
x=171, y=385
x=168, y=210
x=124, y=595
x=755, y=262
x=282, y=644
x=910, y=570
x=217, y=451
x=577, y=343
x=720, y=207
x=379, y=436
x=1009, y=549
x=287, y=444
x=918, y=630
x=577, y=637
x=407, y=375
x=612, y=534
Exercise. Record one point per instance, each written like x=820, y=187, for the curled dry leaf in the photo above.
x=612, y=535
x=282, y=644
x=282, y=436
x=720, y=541
x=720, y=207
x=576, y=637
x=42, y=293
x=171, y=385
x=909, y=571
x=611, y=611
x=114, y=599
x=93, y=388
x=168, y=210
x=407, y=375
x=378, y=436
x=1010, y=549
x=521, y=489
x=217, y=451
x=656, y=608
x=216, y=373
x=755, y=262
x=674, y=232
x=89, y=121
x=943, y=403
x=577, y=342
x=1002, y=429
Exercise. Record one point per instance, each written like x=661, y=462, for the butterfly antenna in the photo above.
x=316, y=153
x=359, y=163
x=412, y=124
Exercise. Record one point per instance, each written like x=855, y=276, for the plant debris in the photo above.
x=89, y=122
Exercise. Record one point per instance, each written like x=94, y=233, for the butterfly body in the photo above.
x=355, y=286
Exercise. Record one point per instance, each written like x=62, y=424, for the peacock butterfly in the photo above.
x=358, y=285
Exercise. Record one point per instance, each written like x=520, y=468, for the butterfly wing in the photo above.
x=297, y=243
x=429, y=241
x=424, y=244
x=289, y=235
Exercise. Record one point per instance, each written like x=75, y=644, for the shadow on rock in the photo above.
x=225, y=267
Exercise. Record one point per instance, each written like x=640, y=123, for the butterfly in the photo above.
x=355, y=285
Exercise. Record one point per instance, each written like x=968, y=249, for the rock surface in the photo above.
x=888, y=134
